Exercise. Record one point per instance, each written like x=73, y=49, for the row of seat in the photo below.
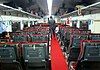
x=89, y=57
x=27, y=49
x=30, y=38
x=28, y=54
x=72, y=39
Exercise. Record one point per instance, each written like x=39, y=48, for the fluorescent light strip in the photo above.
x=49, y=2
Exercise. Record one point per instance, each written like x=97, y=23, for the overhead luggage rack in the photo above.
x=93, y=8
x=15, y=12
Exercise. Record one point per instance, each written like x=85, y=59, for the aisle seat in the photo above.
x=74, y=47
x=20, y=38
x=82, y=31
x=89, y=58
x=39, y=38
x=5, y=40
x=74, y=32
x=68, y=33
x=9, y=57
x=95, y=36
x=35, y=54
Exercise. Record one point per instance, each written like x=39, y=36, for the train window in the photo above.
x=84, y=25
x=15, y=26
x=74, y=23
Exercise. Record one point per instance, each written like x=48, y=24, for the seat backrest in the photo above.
x=8, y=53
x=34, y=52
x=95, y=36
x=4, y=40
x=90, y=51
x=82, y=31
x=39, y=38
x=20, y=38
x=70, y=31
x=73, y=54
x=77, y=38
x=74, y=48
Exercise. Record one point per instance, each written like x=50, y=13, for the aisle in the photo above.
x=58, y=61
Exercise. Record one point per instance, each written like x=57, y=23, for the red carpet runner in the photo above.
x=58, y=61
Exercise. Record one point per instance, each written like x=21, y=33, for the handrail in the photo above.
x=76, y=11
x=17, y=11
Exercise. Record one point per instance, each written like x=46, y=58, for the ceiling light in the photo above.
x=49, y=2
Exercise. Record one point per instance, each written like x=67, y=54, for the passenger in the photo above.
x=4, y=34
x=57, y=30
x=25, y=26
x=2, y=27
x=52, y=25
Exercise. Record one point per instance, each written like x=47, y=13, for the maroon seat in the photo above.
x=89, y=58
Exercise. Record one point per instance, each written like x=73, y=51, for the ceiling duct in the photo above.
x=5, y=1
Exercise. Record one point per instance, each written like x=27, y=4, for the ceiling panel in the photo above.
x=4, y=1
x=43, y=5
x=33, y=7
x=55, y=5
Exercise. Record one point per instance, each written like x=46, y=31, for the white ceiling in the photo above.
x=55, y=5
x=4, y=1
x=43, y=5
